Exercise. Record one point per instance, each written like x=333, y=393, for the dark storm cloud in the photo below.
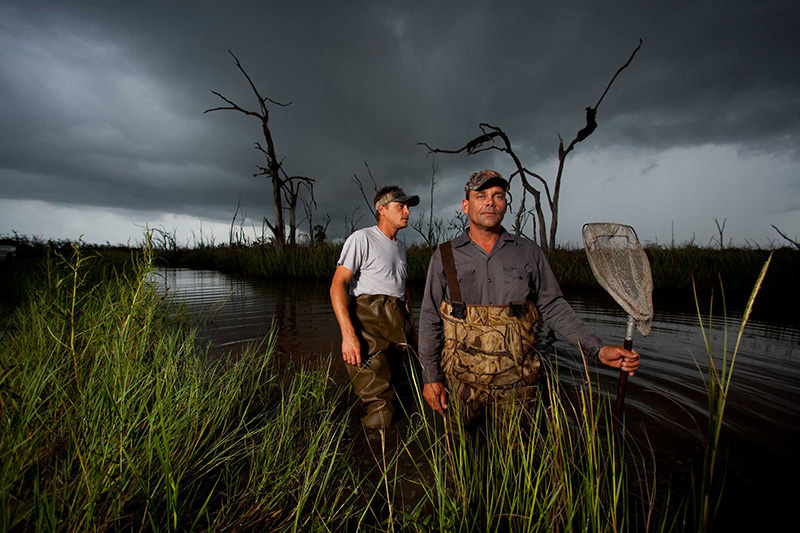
x=103, y=102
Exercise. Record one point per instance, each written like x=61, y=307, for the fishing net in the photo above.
x=621, y=267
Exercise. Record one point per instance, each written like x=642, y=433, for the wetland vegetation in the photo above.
x=113, y=418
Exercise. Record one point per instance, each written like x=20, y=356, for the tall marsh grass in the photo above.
x=111, y=419
x=555, y=467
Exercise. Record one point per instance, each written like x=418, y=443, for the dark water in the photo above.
x=666, y=399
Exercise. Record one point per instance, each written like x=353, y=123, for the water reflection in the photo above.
x=667, y=398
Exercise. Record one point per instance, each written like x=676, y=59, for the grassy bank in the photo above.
x=112, y=419
x=678, y=268
x=674, y=268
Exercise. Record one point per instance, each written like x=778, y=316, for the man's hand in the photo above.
x=619, y=357
x=351, y=349
x=436, y=396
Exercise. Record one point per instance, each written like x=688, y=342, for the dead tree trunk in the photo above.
x=591, y=125
x=721, y=231
x=435, y=225
x=292, y=189
x=273, y=168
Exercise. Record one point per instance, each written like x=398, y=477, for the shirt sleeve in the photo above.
x=431, y=336
x=353, y=252
x=559, y=315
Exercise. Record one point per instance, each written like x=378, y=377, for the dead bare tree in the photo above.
x=309, y=205
x=320, y=231
x=430, y=238
x=163, y=239
x=292, y=188
x=782, y=234
x=360, y=186
x=236, y=237
x=721, y=231
x=282, y=184
x=492, y=134
x=433, y=235
x=351, y=222
x=435, y=230
x=458, y=224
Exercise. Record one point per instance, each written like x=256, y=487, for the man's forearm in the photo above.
x=560, y=316
x=339, y=301
x=431, y=337
x=351, y=348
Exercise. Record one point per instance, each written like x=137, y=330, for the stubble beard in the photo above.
x=491, y=222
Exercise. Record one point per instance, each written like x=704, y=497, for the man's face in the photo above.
x=396, y=214
x=486, y=208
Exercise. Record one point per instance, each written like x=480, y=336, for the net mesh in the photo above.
x=622, y=268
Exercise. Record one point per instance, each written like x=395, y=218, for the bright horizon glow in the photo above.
x=708, y=182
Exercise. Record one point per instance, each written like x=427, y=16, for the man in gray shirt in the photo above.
x=504, y=284
x=369, y=298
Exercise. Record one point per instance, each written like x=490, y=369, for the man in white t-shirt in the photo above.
x=375, y=320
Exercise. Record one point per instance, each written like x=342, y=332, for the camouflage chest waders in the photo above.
x=488, y=356
x=384, y=327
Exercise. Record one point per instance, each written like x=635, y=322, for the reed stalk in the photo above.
x=718, y=382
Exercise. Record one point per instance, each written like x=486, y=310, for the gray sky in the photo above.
x=103, y=128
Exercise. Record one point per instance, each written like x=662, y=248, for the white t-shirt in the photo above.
x=378, y=263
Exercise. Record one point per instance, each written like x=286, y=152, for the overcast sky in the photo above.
x=103, y=129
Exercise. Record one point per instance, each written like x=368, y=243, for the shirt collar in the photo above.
x=463, y=239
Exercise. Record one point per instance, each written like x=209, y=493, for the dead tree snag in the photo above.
x=284, y=187
x=491, y=140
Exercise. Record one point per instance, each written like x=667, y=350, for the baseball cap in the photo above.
x=396, y=194
x=479, y=180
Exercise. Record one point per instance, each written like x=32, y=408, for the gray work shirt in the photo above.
x=516, y=270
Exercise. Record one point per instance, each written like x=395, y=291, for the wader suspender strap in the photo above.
x=459, y=307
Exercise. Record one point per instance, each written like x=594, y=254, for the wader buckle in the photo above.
x=459, y=310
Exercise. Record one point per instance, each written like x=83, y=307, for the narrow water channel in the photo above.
x=666, y=399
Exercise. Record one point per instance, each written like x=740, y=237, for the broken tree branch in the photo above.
x=782, y=234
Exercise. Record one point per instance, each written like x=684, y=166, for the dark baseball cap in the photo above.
x=484, y=178
x=396, y=194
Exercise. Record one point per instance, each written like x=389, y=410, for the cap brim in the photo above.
x=410, y=201
x=492, y=182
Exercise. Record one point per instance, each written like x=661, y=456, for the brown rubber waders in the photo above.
x=384, y=326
